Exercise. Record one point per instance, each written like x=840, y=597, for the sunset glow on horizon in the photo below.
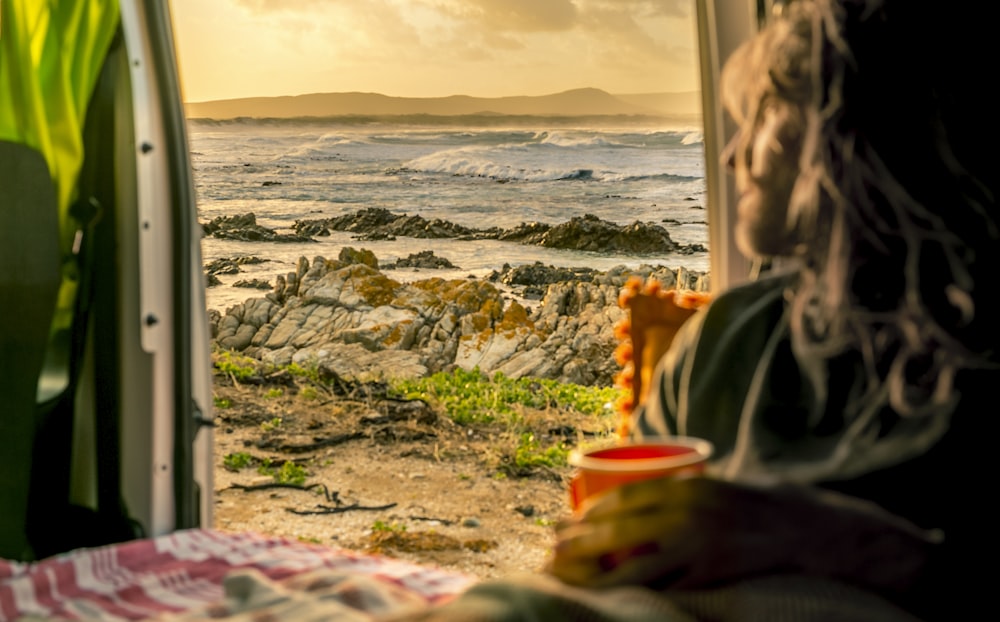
x=432, y=48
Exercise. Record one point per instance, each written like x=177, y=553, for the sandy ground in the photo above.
x=386, y=477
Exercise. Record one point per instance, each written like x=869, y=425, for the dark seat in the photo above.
x=29, y=285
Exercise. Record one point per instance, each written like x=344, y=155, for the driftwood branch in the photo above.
x=431, y=519
x=318, y=443
x=332, y=497
x=325, y=509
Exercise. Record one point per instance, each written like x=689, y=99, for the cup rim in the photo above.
x=702, y=451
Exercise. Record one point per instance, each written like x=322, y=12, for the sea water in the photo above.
x=479, y=172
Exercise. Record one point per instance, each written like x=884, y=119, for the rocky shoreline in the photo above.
x=582, y=233
x=349, y=316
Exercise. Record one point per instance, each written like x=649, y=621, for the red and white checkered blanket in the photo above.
x=172, y=575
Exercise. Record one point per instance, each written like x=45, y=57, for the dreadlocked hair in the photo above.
x=897, y=235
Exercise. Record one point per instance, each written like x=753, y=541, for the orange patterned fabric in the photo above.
x=653, y=316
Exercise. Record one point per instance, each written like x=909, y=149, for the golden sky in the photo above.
x=432, y=48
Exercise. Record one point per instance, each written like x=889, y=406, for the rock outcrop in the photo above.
x=582, y=233
x=350, y=317
x=244, y=227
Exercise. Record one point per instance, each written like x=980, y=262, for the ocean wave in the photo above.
x=618, y=138
x=665, y=177
x=491, y=164
x=532, y=162
x=561, y=139
x=693, y=138
x=582, y=173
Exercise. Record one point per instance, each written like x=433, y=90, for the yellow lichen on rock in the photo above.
x=374, y=287
x=396, y=334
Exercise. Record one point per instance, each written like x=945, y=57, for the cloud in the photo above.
x=520, y=15
x=428, y=47
x=291, y=6
x=643, y=30
x=653, y=8
x=511, y=16
x=517, y=15
x=555, y=15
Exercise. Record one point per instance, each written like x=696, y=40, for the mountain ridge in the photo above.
x=574, y=102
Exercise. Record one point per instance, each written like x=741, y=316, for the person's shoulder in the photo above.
x=763, y=295
x=739, y=317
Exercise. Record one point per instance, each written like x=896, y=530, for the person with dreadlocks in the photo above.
x=847, y=391
x=846, y=394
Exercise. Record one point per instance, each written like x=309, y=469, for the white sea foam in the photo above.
x=477, y=177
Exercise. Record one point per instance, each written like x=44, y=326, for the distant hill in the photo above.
x=577, y=102
x=666, y=103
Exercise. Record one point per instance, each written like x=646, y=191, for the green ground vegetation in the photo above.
x=474, y=397
x=512, y=407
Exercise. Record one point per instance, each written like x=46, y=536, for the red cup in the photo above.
x=600, y=469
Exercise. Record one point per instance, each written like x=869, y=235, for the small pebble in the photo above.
x=525, y=510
